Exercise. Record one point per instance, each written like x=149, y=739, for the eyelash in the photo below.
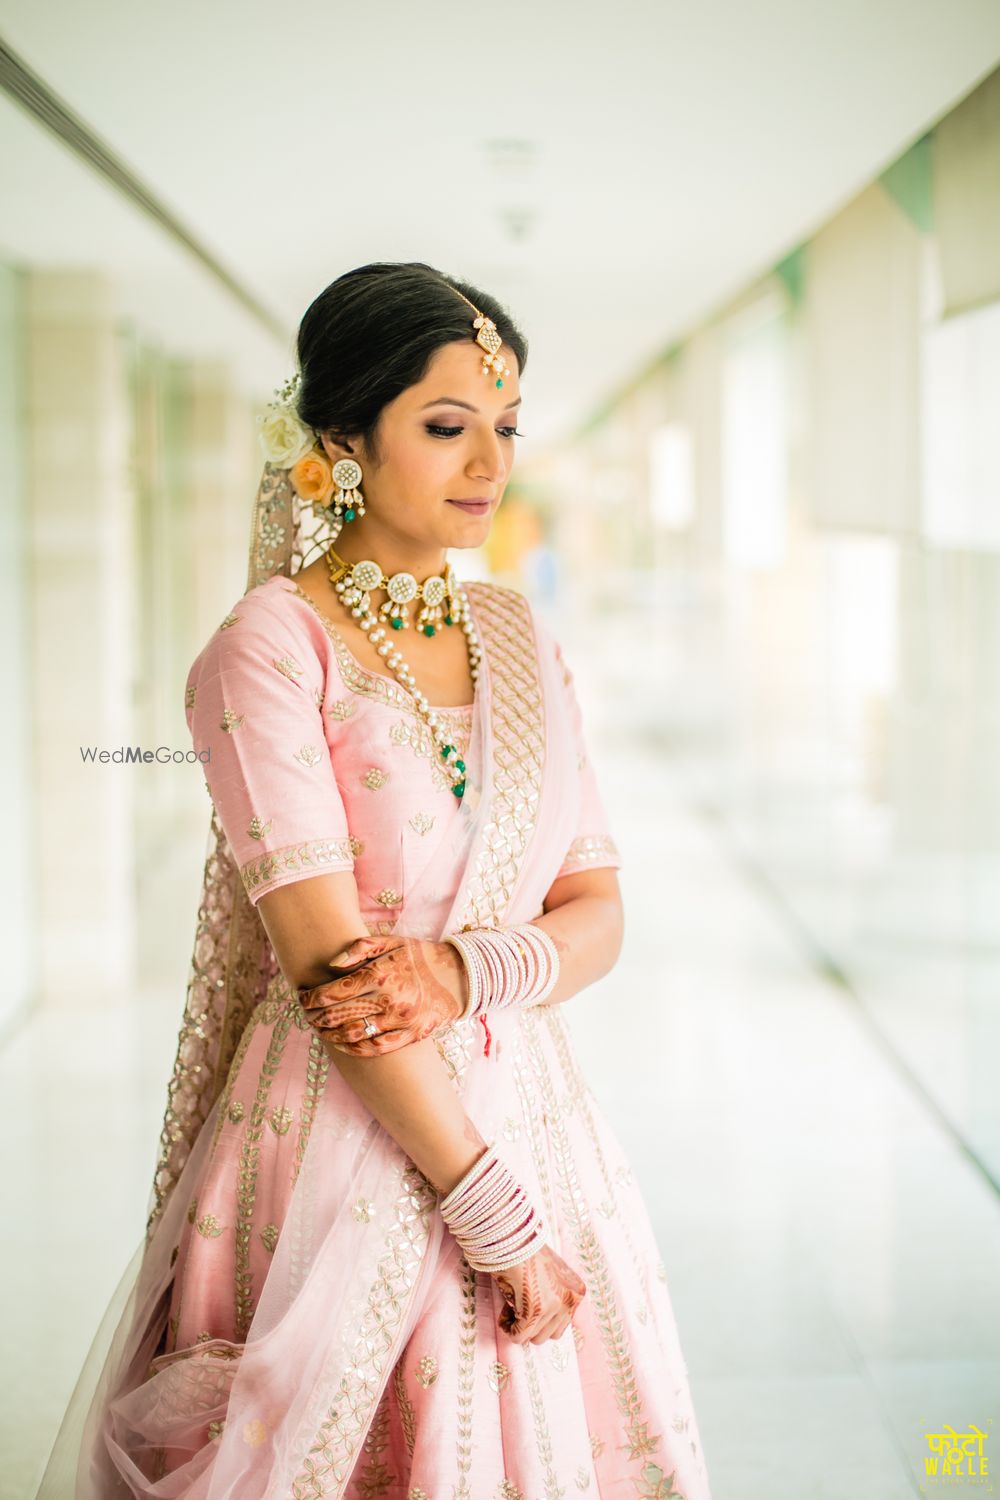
x=509, y=432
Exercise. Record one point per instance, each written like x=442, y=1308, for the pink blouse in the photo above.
x=317, y=763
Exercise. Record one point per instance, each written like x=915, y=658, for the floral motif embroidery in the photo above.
x=363, y=1211
x=578, y=1337
x=209, y=1226
x=318, y=698
x=342, y=708
x=388, y=897
x=204, y=1338
x=607, y=1208
x=596, y=1445
x=508, y=1490
x=189, y=694
x=231, y=720
x=497, y=1377
x=511, y=1129
x=288, y=665
x=582, y=1479
x=558, y=1355
x=258, y=828
x=421, y=822
x=656, y=1485
x=308, y=755
x=236, y=1111
x=230, y=619
x=280, y=1119
x=357, y=847
x=427, y=1371
x=374, y=779
x=215, y=1430
x=624, y=1177
x=269, y=1237
x=416, y=1493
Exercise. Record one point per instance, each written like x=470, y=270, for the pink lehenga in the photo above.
x=299, y=1323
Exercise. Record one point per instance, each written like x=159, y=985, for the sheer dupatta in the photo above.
x=286, y=1413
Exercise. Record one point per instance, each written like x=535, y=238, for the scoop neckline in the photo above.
x=439, y=708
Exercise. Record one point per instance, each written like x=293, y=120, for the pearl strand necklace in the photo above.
x=351, y=597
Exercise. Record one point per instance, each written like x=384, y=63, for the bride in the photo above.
x=395, y=1248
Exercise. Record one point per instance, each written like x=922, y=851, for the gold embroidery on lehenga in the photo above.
x=497, y=1377
x=375, y=779
x=363, y=1211
x=421, y=822
x=231, y=619
x=288, y=665
x=427, y=1370
x=582, y=1479
x=539, y=1416
x=357, y=847
x=407, y=1410
x=189, y=695
x=592, y=1259
x=388, y=897
x=317, y=1068
x=328, y=1461
x=269, y=1237
x=280, y=1120
x=258, y=828
x=376, y=1478
x=342, y=708
x=466, y=1378
x=258, y=872
x=308, y=756
x=518, y=750
x=508, y=1490
x=236, y=1112
x=580, y=1091
x=231, y=720
x=209, y=1227
x=246, y=1181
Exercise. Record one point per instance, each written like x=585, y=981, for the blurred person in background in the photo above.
x=395, y=1248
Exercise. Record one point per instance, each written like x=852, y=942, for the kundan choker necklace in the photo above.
x=352, y=583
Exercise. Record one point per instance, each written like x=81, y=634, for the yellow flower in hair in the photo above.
x=312, y=478
x=283, y=438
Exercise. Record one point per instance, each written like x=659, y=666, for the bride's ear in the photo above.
x=337, y=447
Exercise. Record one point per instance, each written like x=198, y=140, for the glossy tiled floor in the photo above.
x=831, y=1254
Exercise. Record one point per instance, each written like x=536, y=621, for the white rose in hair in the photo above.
x=283, y=438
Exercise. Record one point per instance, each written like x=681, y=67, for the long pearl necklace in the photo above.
x=352, y=583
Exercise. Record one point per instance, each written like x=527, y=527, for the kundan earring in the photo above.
x=350, y=502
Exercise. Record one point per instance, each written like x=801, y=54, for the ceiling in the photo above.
x=611, y=172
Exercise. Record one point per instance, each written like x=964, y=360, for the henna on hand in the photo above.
x=412, y=985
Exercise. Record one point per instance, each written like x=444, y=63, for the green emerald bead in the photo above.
x=460, y=765
x=448, y=620
x=349, y=515
x=499, y=384
x=445, y=749
x=459, y=788
x=396, y=622
x=429, y=630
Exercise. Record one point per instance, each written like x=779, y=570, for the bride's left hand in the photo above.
x=407, y=987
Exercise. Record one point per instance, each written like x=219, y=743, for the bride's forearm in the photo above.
x=410, y=1093
x=587, y=932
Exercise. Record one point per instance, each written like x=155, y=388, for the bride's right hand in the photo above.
x=541, y=1296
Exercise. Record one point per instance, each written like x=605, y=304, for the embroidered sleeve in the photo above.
x=593, y=845
x=254, y=703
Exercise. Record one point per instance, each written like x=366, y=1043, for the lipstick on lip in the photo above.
x=476, y=507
